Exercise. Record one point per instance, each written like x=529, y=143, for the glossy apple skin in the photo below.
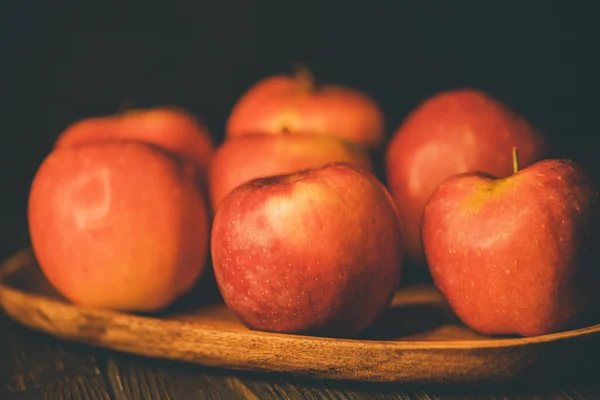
x=316, y=252
x=292, y=104
x=241, y=159
x=170, y=128
x=450, y=133
x=516, y=255
x=118, y=225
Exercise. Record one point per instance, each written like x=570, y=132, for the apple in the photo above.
x=449, y=133
x=118, y=225
x=318, y=251
x=281, y=104
x=170, y=128
x=516, y=255
x=241, y=159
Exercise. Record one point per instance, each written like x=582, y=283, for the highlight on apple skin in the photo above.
x=517, y=255
x=316, y=252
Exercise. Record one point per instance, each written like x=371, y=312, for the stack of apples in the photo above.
x=304, y=237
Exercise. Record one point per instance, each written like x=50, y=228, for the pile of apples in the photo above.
x=128, y=211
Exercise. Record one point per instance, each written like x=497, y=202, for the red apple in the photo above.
x=170, y=128
x=241, y=159
x=296, y=104
x=450, y=133
x=516, y=255
x=118, y=225
x=318, y=251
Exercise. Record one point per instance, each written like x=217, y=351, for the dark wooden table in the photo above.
x=36, y=366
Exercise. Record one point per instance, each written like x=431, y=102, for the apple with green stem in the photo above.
x=516, y=255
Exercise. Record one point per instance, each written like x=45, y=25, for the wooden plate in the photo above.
x=418, y=340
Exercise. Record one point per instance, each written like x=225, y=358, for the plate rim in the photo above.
x=22, y=257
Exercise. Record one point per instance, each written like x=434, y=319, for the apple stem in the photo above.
x=515, y=159
x=305, y=76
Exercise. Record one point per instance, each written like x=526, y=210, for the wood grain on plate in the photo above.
x=418, y=340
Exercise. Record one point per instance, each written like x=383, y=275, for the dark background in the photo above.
x=63, y=61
